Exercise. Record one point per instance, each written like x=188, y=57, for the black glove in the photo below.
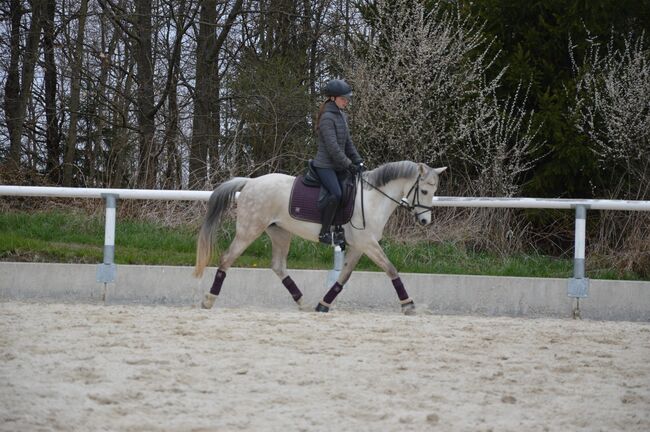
x=360, y=167
x=352, y=168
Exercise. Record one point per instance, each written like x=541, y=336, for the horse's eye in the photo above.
x=424, y=192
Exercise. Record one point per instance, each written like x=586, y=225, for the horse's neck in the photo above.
x=395, y=189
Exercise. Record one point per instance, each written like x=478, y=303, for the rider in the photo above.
x=337, y=155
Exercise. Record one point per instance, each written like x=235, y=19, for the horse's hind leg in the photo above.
x=243, y=238
x=281, y=241
x=351, y=260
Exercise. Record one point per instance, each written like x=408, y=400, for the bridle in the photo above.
x=411, y=206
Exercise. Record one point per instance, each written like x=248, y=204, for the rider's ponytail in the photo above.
x=320, y=113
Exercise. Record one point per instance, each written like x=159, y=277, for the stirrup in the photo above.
x=333, y=238
x=326, y=238
x=339, y=236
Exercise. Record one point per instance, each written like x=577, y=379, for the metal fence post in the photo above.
x=106, y=270
x=339, y=259
x=578, y=286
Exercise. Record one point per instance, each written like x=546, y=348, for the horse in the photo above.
x=262, y=205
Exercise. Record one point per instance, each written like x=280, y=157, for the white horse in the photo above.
x=263, y=205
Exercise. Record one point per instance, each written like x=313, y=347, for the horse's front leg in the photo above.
x=351, y=259
x=377, y=255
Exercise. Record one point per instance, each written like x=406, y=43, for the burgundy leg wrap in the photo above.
x=218, y=281
x=332, y=293
x=399, y=288
x=290, y=285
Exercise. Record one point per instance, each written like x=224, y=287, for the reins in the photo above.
x=403, y=203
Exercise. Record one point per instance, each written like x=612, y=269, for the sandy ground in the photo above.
x=138, y=368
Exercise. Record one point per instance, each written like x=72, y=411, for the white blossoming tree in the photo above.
x=612, y=110
x=421, y=91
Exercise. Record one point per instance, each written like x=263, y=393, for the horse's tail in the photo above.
x=218, y=203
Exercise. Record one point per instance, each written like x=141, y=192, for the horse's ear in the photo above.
x=439, y=170
x=423, y=169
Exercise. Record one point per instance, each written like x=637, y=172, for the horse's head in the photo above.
x=421, y=195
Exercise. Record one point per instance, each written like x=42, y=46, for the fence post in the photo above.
x=106, y=270
x=339, y=259
x=578, y=286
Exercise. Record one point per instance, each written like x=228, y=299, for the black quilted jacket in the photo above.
x=335, y=148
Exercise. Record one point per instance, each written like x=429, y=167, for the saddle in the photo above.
x=308, y=196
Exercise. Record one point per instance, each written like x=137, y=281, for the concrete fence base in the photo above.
x=439, y=294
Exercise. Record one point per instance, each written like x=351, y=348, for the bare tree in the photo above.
x=53, y=133
x=18, y=87
x=71, y=140
x=274, y=101
x=171, y=142
x=206, y=119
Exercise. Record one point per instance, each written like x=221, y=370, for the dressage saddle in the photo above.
x=308, y=198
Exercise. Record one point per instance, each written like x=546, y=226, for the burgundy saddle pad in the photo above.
x=303, y=204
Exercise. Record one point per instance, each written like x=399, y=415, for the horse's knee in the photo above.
x=391, y=271
x=279, y=269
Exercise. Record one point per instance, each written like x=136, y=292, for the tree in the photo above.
x=533, y=38
x=612, y=109
x=18, y=86
x=75, y=92
x=206, y=118
x=273, y=93
x=421, y=91
x=53, y=133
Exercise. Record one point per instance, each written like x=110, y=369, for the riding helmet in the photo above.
x=337, y=87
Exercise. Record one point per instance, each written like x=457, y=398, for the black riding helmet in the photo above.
x=337, y=87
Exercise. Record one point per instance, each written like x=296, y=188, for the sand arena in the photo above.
x=153, y=368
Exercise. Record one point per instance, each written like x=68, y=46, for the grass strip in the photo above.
x=78, y=238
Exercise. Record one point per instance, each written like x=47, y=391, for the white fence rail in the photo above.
x=542, y=203
x=578, y=285
x=67, y=192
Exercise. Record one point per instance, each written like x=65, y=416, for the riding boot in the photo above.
x=327, y=217
x=339, y=236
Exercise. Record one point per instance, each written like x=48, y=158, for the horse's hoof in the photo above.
x=408, y=308
x=208, y=301
x=302, y=306
x=320, y=307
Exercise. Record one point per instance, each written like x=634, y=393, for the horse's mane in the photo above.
x=391, y=171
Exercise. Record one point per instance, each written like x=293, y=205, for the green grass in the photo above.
x=75, y=237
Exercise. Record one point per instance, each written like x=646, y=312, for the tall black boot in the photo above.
x=327, y=217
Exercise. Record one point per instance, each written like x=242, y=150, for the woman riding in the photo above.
x=337, y=155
